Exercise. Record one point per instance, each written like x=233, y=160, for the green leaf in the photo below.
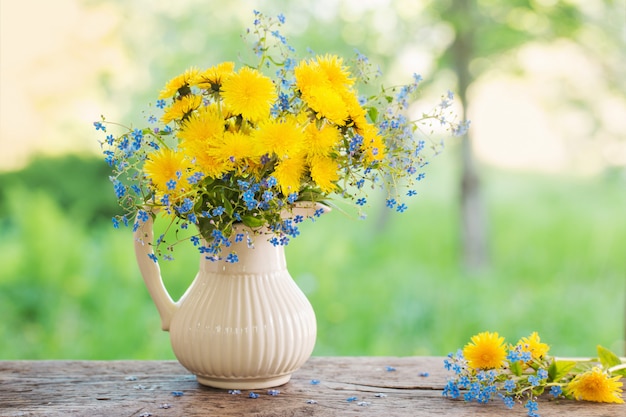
x=310, y=194
x=607, y=358
x=205, y=227
x=516, y=368
x=552, y=371
x=372, y=112
x=582, y=367
x=252, y=221
x=228, y=207
x=558, y=369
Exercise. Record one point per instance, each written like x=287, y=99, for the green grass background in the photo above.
x=388, y=285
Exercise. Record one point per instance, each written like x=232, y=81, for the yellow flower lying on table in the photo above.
x=486, y=351
x=596, y=385
x=488, y=368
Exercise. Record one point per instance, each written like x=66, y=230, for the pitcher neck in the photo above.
x=256, y=256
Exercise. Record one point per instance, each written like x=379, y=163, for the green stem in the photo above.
x=617, y=368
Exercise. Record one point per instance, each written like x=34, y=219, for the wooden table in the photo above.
x=348, y=386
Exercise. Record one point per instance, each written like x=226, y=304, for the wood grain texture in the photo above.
x=144, y=388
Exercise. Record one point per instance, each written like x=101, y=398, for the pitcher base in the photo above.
x=243, y=383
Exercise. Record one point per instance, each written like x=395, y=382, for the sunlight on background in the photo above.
x=528, y=123
x=52, y=55
x=54, y=65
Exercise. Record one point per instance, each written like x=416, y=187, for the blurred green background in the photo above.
x=542, y=87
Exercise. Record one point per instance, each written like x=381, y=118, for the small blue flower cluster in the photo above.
x=282, y=231
x=484, y=385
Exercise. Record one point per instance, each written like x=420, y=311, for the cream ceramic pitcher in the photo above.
x=240, y=325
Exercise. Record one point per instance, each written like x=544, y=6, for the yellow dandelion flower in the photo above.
x=358, y=121
x=356, y=112
x=373, y=144
x=308, y=74
x=324, y=171
x=181, y=108
x=180, y=83
x=202, y=125
x=303, y=117
x=596, y=385
x=288, y=173
x=249, y=93
x=324, y=83
x=281, y=137
x=198, y=136
x=324, y=70
x=328, y=103
x=200, y=153
x=485, y=351
x=336, y=73
x=213, y=77
x=533, y=345
x=167, y=170
x=321, y=141
x=234, y=149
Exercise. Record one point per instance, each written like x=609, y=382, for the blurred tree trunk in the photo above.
x=489, y=30
x=472, y=208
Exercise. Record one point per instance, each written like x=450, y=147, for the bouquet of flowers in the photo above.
x=487, y=367
x=248, y=144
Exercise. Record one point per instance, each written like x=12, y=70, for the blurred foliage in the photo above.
x=78, y=184
x=502, y=27
x=69, y=290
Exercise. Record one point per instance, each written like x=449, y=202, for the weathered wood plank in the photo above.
x=144, y=388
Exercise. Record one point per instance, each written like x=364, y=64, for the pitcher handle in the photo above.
x=151, y=273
